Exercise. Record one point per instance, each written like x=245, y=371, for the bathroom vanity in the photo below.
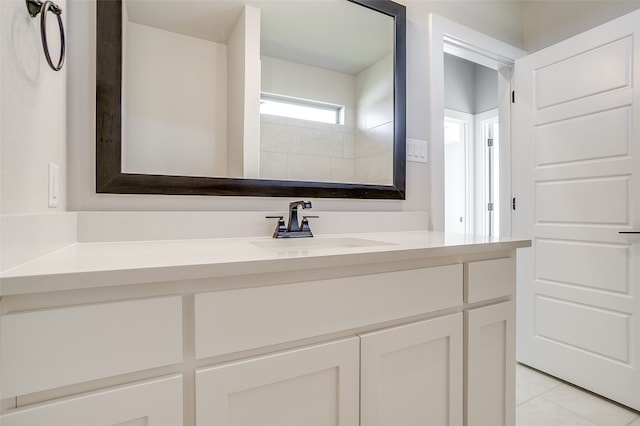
x=396, y=328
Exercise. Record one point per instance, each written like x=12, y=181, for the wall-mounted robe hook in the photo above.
x=35, y=7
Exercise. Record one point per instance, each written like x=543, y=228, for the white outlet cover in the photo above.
x=416, y=150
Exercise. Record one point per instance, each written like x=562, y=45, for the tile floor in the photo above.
x=542, y=400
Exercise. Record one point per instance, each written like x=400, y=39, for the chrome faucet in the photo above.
x=294, y=228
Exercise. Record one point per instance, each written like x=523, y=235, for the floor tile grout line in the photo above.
x=635, y=418
x=573, y=412
x=601, y=398
x=533, y=371
x=538, y=395
x=561, y=382
x=582, y=418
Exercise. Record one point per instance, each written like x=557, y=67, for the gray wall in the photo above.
x=486, y=89
x=469, y=87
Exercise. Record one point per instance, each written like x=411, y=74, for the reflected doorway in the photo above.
x=471, y=148
x=458, y=128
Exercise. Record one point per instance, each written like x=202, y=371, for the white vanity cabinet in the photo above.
x=490, y=339
x=51, y=348
x=57, y=348
x=406, y=375
x=150, y=403
x=313, y=386
x=491, y=364
x=415, y=336
x=247, y=318
x=413, y=374
x=321, y=384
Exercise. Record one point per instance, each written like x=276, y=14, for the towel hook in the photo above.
x=35, y=7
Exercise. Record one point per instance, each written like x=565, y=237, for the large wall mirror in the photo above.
x=251, y=97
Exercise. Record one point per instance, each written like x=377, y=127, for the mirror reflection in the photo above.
x=258, y=89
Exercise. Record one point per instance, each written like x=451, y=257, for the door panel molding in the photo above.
x=577, y=179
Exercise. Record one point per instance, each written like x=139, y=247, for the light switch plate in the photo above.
x=54, y=184
x=416, y=150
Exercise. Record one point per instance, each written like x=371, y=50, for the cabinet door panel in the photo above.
x=312, y=386
x=412, y=375
x=152, y=403
x=491, y=365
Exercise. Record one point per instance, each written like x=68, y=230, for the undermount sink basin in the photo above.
x=315, y=243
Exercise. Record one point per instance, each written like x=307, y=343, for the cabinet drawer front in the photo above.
x=51, y=348
x=151, y=403
x=236, y=320
x=488, y=279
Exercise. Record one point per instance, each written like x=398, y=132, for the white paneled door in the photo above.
x=576, y=153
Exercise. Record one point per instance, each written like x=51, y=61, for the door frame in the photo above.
x=482, y=172
x=456, y=39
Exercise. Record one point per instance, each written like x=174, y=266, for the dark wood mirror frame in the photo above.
x=111, y=179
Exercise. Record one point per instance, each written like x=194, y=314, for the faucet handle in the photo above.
x=280, y=227
x=304, y=226
x=280, y=219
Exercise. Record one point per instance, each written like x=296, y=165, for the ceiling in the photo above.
x=333, y=34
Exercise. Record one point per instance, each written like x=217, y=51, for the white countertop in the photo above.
x=89, y=265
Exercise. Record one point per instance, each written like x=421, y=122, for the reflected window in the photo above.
x=302, y=109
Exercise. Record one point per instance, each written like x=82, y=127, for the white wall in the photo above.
x=33, y=121
x=375, y=128
x=548, y=22
x=252, y=94
x=28, y=87
x=235, y=101
x=33, y=113
x=57, y=134
x=497, y=18
x=243, y=75
x=306, y=82
x=27, y=148
x=188, y=138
